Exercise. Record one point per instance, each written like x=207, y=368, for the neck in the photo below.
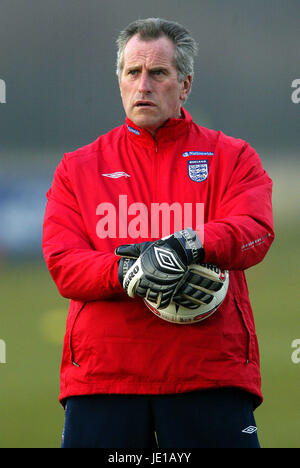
x=153, y=131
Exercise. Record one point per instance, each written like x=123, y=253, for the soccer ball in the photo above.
x=178, y=314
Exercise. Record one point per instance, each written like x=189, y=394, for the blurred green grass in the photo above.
x=32, y=322
x=275, y=297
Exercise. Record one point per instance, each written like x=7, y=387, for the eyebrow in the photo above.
x=152, y=68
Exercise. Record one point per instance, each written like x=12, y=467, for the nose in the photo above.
x=145, y=83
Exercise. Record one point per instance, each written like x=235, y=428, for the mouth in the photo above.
x=144, y=104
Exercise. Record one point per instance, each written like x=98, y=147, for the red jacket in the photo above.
x=102, y=196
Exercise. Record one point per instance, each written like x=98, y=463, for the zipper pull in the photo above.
x=155, y=145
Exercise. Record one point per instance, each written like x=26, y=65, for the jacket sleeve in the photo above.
x=242, y=231
x=78, y=270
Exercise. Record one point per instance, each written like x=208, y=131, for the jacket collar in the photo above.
x=171, y=130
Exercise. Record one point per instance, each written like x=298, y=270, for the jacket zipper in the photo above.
x=247, y=330
x=155, y=170
x=71, y=333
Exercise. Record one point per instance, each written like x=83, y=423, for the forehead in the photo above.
x=154, y=52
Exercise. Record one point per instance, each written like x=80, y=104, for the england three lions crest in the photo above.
x=198, y=170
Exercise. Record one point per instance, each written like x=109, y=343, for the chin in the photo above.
x=145, y=123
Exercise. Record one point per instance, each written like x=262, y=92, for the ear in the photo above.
x=185, y=87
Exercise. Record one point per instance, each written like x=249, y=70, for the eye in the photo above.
x=157, y=72
x=132, y=72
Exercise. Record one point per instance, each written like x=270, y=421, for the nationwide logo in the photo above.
x=198, y=170
x=186, y=154
x=116, y=175
x=133, y=130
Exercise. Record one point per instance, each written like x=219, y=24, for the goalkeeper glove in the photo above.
x=160, y=266
x=190, y=294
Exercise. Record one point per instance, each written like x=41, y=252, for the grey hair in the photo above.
x=153, y=28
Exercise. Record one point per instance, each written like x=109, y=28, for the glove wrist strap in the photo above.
x=192, y=245
x=124, y=265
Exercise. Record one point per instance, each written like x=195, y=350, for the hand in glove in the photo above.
x=160, y=266
x=190, y=294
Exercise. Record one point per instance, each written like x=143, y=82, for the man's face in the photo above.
x=150, y=90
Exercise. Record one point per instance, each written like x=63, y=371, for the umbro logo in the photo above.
x=167, y=260
x=249, y=430
x=116, y=175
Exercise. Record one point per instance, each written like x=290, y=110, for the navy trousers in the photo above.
x=217, y=418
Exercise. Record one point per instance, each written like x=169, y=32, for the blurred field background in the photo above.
x=33, y=319
x=57, y=60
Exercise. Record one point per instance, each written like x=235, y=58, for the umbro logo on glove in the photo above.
x=167, y=260
x=160, y=266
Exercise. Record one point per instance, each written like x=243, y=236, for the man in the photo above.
x=126, y=374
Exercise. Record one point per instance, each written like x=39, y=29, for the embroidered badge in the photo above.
x=198, y=170
x=133, y=130
x=186, y=154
